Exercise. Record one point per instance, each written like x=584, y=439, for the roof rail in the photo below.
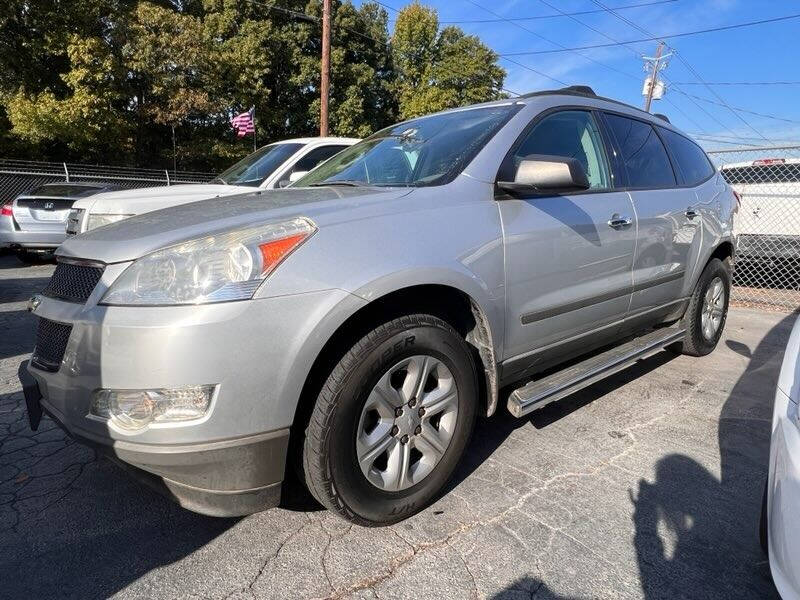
x=581, y=90
x=578, y=89
x=587, y=92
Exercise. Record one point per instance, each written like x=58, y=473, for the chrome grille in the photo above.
x=51, y=343
x=73, y=282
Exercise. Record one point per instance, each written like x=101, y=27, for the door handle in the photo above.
x=617, y=221
x=691, y=213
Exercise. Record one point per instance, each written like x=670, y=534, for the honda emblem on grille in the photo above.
x=49, y=205
x=34, y=303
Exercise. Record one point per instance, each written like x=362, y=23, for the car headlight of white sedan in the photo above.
x=99, y=220
x=218, y=268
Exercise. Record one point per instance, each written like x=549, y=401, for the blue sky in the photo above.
x=761, y=53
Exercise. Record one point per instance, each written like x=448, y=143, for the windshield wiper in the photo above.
x=347, y=182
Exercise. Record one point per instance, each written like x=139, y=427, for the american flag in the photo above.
x=243, y=123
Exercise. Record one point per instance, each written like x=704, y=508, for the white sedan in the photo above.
x=270, y=167
x=780, y=514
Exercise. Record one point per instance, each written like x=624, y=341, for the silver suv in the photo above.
x=353, y=327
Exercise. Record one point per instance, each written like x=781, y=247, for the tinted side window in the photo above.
x=692, y=161
x=316, y=156
x=572, y=134
x=643, y=154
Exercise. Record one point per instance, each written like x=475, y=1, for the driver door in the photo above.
x=568, y=259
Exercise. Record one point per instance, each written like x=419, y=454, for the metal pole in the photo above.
x=654, y=78
x=167, y=172
x=254, y=128
x=326, y=67
x=66, y=171
x=174, y=155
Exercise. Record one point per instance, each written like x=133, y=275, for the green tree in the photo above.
x=361, y=91
x=106, y=80
x=440, y=69
x=90, y=118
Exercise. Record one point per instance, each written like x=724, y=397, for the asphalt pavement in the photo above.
x=645, y=485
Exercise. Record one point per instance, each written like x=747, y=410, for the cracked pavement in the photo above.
x=645, y=485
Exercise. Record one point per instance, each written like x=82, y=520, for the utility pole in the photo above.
x=326, y=67
x=654, y=88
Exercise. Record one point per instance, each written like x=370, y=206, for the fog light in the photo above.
x=134, y=409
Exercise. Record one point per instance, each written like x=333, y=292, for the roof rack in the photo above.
x=582, y=90
x=587, y=92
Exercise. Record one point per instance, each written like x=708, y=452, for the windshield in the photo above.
x=426, y=151
x=254, y=168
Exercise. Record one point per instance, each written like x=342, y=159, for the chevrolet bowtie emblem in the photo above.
x=34, y=303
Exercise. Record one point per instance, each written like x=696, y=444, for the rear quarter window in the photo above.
x=692, y=162
x=643, y=155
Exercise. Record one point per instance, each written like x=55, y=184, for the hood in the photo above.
x=145, y=233
x=137, y=201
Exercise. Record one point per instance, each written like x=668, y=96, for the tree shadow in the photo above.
x=695, y=532
x=527, y=588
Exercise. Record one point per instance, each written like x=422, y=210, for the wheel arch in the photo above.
x=450, y=303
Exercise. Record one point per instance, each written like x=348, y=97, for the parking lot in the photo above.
x=646, y=485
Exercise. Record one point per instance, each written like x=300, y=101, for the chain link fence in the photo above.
x=767, y=226
x=17, y=176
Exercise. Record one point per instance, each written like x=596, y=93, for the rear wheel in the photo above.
x=708, y=309
x=392, y=421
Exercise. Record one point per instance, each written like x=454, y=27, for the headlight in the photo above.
x=96, y=221
x=217, y=268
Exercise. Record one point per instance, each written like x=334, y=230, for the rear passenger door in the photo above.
x=567, y=257
x=666, y=225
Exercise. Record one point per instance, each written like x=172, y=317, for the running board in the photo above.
x=536, y=394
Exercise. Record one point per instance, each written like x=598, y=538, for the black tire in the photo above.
x=696, y=343
x=330, y=465
x=763, y=523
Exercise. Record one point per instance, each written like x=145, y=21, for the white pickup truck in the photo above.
x=767, y=226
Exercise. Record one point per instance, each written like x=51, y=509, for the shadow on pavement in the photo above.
x=529, y=587
x=490, y=434
x=695, y=531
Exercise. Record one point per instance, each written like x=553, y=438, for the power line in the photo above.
x=739, y=83
x=538, y=17
x=744, y=110
x=688, y=66
x=508, y=91
x=307, y=17
x=532, y=70
x=718, y=97
x=652, y=37
x=531, y=31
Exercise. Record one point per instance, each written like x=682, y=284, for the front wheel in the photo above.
x=392, y=421
x=708, y=309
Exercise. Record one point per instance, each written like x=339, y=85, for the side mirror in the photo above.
x=543, y=174
x=297, y=175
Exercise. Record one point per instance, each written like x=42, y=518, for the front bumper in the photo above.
x=222, y=479
x=783, y=498
x=257, y=353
